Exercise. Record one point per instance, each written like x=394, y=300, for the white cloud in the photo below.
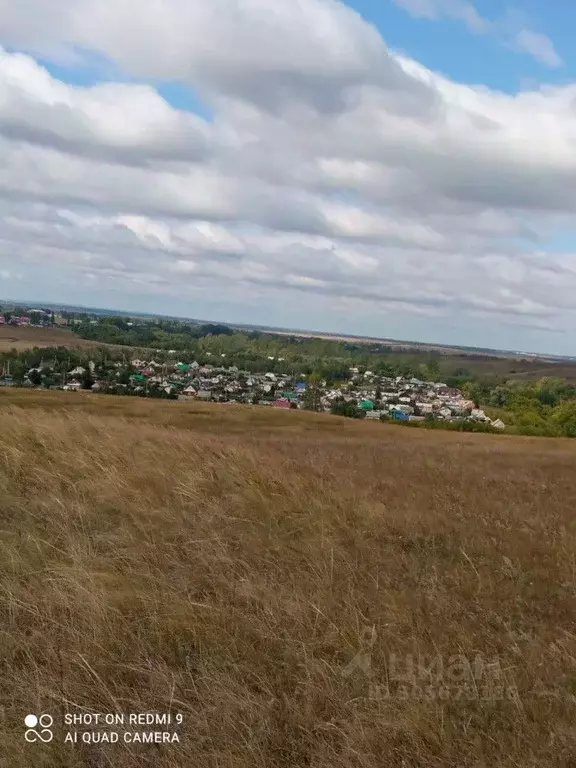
x=126, y=123
x=460, y=10
x=254, y=47
x=539, y=46
x=334, y=173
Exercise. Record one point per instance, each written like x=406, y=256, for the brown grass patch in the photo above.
x=224, y=562
x=22, y=338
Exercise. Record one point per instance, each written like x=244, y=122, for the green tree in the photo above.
x=565, y=419
x=349, y=409
x=35, y=377
x=87, y=379
x=312, y=396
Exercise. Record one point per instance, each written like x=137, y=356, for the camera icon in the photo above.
x=39, y=728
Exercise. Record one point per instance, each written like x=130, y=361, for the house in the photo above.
x=282, y=403
x=402, y=409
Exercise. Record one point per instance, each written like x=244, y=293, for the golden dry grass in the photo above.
x=22, y=338
x=226, y=562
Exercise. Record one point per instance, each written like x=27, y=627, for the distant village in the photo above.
x=384, y=398
x=36, y=317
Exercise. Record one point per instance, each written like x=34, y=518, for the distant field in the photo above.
x=481, y=364
x=305, y=590
x=513, y=368
x=406, y=346
x=22, y=338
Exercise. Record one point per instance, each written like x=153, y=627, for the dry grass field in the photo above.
x=26, y=337
x=306, y=591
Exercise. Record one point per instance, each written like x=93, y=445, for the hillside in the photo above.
x=229, y=563
x=26, y=337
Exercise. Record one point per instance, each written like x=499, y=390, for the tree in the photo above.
x=87, y=379
x=500, y=397
x=313, y=394
x=565, y=419
x=35, y=378
x=433, y=366
x=349, y=409
x=125, y=376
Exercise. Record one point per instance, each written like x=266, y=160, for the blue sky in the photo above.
x=448, y=46
x=401, y=168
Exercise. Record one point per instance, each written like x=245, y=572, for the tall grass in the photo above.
x=229, y=563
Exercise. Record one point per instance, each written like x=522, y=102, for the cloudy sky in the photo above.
x=400, y=168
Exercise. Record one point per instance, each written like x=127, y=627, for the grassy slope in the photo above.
x=22, y=338
x=225, y=561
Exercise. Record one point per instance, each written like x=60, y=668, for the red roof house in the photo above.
x=281, y=403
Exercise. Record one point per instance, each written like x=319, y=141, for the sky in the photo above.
x=393, y=168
